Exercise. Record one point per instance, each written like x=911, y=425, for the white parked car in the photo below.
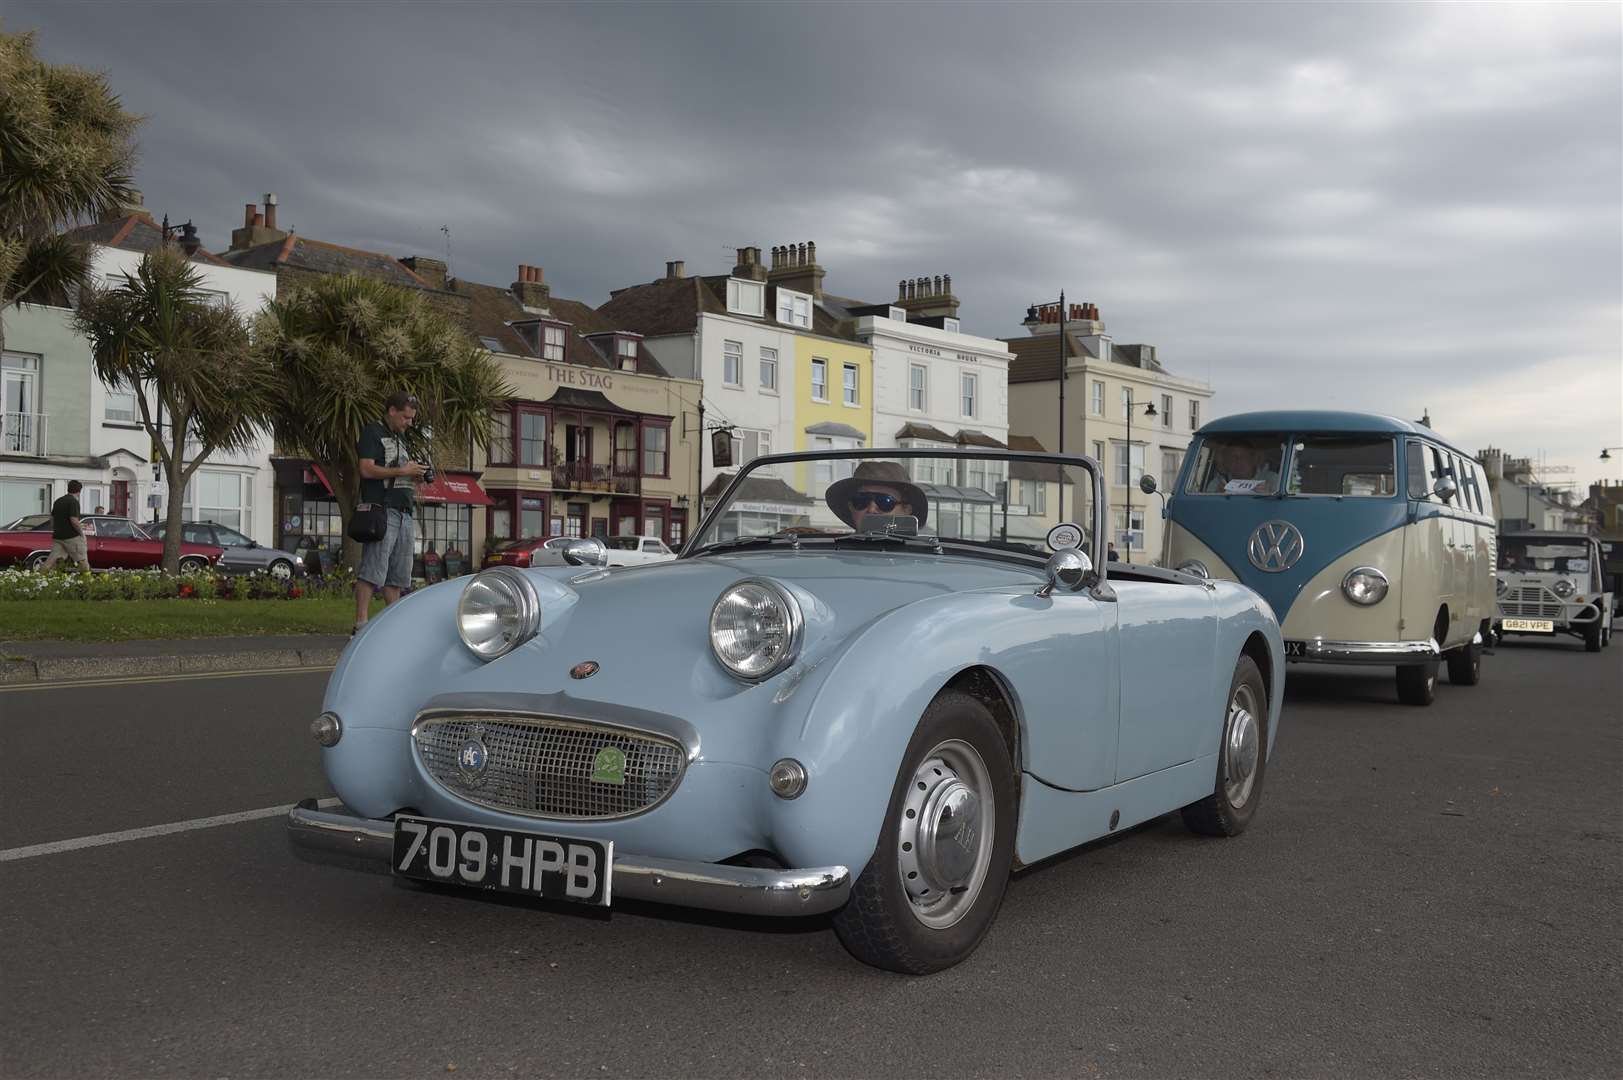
x=632, y=550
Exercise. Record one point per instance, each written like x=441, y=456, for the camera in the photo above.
x=428, y=472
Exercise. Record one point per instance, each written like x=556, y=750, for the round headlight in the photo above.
x=1501, y=586
x=1195, y=567
x=1364, y=585
x=755, y=629
x=1564, y=588
x=498, y=612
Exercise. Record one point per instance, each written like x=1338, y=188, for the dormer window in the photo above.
x=950, y=325
x=746, y=297
x=794, y=309
x=898, y=314
x=625, y=350
x=552, y=342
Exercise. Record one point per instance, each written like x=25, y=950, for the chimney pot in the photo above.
x=259, y=219
x=937, y=285
x=675, y=268
x=270, y=210
x=248, y=214
x=802, y=254
x=901, y=289
x=811, y=252
x=946, y=284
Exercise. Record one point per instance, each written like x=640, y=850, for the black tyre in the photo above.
x=1242, y=758
x=36, y=561
x=934, y=884
x=1592, y=637
x=1465, y=665
x=281, y=570
x=1417, y=683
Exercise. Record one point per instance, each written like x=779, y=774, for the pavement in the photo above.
x=1424, y=893
x=61, y=661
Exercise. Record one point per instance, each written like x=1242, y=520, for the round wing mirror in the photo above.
x=587, y=551
x=1447, y=488
x=1068, y=569
x=1146, y=484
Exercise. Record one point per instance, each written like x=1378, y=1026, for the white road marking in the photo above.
x=185, y=676
x=56, y=847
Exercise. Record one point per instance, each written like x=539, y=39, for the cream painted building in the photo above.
x=1110, y=393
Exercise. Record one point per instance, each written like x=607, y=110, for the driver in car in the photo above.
x=876, y=488
x=1241, y=467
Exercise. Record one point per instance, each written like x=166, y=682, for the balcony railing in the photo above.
x=23, y=433
x=589, y=476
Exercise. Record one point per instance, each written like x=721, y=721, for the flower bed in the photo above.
x=154, y=584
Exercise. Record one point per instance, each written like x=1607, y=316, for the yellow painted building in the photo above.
x=833, y=406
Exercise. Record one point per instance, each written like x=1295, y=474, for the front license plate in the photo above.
x=1542, y=626
x=502, y=860
x=1295, y=648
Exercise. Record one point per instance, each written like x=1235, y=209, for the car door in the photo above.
x=1167, y=666
x=1070, y=698
x=117, y=547
x=203, y=533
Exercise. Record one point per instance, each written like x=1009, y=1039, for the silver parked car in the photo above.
x=243, y=555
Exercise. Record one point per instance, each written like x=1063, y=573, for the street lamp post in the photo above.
x=1149, y=410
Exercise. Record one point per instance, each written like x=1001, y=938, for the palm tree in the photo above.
x=343, y=344
x=158, y=331
x=67, y=153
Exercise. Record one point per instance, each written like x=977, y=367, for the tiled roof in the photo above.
x=829, y=427
x=911, y=430
x=1036, y=359
x=303, y=253
x=1026, y=443
x=134, y=232
x=668, y=306
x=492, y=309
x=971, y=437
x=757, y=488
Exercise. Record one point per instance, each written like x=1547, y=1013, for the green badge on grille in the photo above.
x=609, y=766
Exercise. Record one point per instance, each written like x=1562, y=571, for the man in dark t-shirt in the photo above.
x=388, y=476
x=67, y=538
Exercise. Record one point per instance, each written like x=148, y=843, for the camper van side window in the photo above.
x=1419, y=486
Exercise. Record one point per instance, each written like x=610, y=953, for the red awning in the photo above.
x=321, y=477
x=454, y=488
x=446, y=488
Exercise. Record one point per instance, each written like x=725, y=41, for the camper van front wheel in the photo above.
x=1417, y=683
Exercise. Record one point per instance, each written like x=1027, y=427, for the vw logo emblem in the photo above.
x=1275, y=546
x=472, y=759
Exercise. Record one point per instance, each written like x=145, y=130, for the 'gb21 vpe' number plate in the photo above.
x=502, y=860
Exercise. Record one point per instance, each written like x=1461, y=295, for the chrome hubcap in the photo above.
x=1241, y=748
x=281, y=571
x=945, y=834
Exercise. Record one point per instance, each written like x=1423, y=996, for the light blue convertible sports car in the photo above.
x=869, y=688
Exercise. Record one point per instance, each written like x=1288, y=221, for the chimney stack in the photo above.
x=530, y=291
x=675, y=269
x=257, y=228
x=928, y=297
x=794, y=266
x=432, y=271
x=749, y=264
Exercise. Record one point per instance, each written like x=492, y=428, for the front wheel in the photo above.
x=936, y=879
x=1417, y=683
x=281, y=570
x=1465, y=665
x=36, y=561
x=192, y=564
x=1592, y=637
x=1241, y=759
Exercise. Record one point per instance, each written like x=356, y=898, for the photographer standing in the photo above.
x=389, y=477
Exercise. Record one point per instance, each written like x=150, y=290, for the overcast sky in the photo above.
x=1385, y=207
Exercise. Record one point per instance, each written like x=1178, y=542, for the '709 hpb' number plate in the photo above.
x=502, y=860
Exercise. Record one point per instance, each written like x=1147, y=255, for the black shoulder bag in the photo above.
x=370, y=521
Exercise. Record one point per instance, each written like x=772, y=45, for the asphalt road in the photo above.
x=1425, y=892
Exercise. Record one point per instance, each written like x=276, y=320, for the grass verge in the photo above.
x=127, y=620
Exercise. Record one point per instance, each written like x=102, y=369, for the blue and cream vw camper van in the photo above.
x=1371, y=537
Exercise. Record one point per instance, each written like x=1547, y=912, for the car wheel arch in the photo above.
x=1256, y=647
x=988, y=686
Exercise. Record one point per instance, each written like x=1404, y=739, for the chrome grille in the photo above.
x=1531, y=601
x=543, y=766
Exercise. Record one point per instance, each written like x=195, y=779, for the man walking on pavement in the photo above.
x=388, y=476
x=67, y=538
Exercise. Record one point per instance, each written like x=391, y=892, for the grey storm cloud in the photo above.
x=1388, y=207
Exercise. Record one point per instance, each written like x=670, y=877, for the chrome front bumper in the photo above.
x=1319, y=651
x=368, y=844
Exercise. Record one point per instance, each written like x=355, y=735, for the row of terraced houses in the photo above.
x=612, y=430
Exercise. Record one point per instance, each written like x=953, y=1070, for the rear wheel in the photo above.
x=192, y=564
x=1241, y=759
x=937, y=877
x=36, y=561
x=1417, y=683
x=1465, y=665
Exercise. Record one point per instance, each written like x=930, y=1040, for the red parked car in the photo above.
x=110, y=542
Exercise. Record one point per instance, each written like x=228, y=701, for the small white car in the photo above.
x=634, y=550
x=1554, y=583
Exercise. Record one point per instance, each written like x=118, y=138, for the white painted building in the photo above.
x=61, y=423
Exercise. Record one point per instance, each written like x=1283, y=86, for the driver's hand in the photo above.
x=415, y=469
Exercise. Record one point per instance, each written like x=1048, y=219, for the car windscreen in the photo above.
x=959, y=501
x=1237, y=465
x=1543, y=556
x=1359, y=466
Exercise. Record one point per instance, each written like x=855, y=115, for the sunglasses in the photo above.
x=881, y=500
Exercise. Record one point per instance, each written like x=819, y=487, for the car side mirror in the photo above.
x=1068, y=569
x=1146, y=484
x=588, y=551
x=1447, y=488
